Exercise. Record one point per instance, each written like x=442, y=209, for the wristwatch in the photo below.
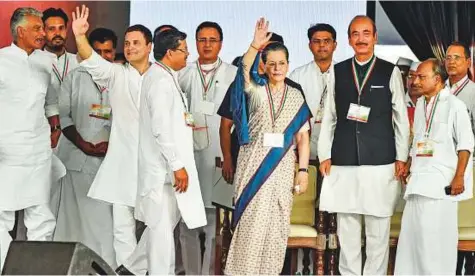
x=303, y=170
x=56, y=127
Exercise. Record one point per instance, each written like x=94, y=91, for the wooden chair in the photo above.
x=394, y=233
x=303, y=232
x=466, y=244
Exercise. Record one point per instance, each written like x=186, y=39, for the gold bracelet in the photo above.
x=254, y=47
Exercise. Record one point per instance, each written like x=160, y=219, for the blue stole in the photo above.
x=238, y=100
x=270, y=162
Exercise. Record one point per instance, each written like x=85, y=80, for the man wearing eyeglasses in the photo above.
x=205, y=82
x=441, y=175
x=457, y=63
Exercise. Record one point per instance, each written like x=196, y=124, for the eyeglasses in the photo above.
x=184, y=51
x=325, y=42
x=211, y=40
x=454, y=58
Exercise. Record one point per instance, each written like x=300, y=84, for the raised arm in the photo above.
x=101, y=70
x=80, y=26
x=260, y=39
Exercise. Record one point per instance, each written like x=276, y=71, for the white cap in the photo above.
x=415, y=65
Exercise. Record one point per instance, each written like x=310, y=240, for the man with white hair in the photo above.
x=26, y=137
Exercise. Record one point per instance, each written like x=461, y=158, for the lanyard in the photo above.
x=207, y=85
x=430, y=120
x=360, y=86
x=101, y=91
x=168, y=70
x=275, y=113
x=59, y=76
x=460, y=88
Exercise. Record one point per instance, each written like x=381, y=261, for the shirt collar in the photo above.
x=209, y=66
x=361, y=63
x=409, y=101
x=19, y=51
x=457, y=84
x=319, y=71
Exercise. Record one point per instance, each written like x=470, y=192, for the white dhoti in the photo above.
x=191, y=246
x=429, y=237
x=83, y=219
x=354, y=193
x=38, y=220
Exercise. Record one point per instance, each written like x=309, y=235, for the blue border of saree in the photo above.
x=270, y=163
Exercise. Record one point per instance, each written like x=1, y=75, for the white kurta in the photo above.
x=368, y=190
x=451, y=132
x=190, y=83
x=466, y=93
x=62, y=65
x=116, y=180
x=314, y=82
x=207, y=148
x=166, y=145
x=81, y=218
x=25, y=145
x=429, y=233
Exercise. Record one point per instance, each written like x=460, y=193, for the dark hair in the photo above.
x=321, y=27
x=276, y=38
x=119, y=56
x=236, y=61
x=466, y=50
x=141, y=28
x=209, y=24
x=362, y=17
x=167, y=40
x=52, y=12
x=102, y=35
x=438, y=68
x=275, y=46
x=160, y=28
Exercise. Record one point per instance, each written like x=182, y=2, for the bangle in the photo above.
x=257, y=49
x=303, y=170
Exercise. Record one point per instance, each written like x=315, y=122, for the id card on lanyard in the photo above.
x=357, y=112
x=100, y=111
x=206, y=106
x=425, y=146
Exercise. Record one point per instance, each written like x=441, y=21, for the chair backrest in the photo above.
x=303, y=208
x=466, y=212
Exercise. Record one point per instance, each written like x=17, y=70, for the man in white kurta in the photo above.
x=86, y=121
x=168, y=186
x=56, y=23
x=116, y=180
x=205, y=83
x=362, y=147
x=440, y=175
x=25, y=143
x=316, y=76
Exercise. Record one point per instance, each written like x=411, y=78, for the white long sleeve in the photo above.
x=160, y=102
x=400, y=118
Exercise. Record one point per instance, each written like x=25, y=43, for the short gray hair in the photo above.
x=438, y=68
x=18, y=19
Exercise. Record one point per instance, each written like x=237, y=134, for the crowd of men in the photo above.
x=88, y=146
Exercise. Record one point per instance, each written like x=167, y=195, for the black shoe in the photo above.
x=122, y=270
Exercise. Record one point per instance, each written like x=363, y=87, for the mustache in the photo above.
x=361, y=43
x=58, y=36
